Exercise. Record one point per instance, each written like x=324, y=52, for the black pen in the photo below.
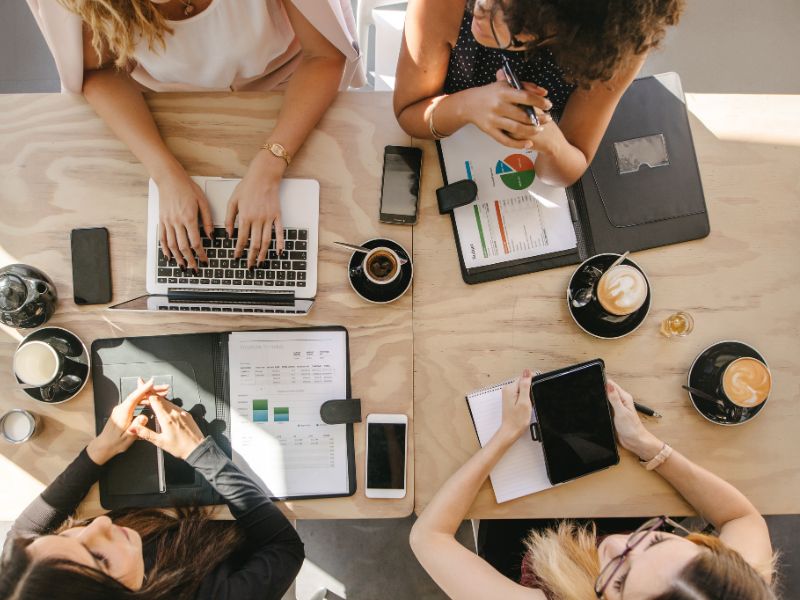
x=512, y=80
x=646, y=410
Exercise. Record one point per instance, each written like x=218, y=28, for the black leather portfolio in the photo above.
x=196, y=368
x=642, y=190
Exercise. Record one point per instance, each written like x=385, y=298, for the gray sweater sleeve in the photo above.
x=273, y=550
x=60, y=499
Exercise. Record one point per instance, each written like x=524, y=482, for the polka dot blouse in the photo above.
x=473, y=65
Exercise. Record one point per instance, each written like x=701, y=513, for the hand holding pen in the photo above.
x=513, y=81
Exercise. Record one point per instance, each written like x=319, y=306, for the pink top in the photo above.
x=256, y=48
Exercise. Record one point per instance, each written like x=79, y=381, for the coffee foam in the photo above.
x=746, y=382
x=35, y=363
x=622, y=290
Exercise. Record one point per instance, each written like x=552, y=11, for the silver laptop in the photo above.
x=283, y=285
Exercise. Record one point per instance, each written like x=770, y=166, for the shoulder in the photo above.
x=436, y=19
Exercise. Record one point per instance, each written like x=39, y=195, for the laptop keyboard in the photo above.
x=287, y=270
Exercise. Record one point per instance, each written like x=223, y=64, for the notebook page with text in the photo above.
x=521, y=470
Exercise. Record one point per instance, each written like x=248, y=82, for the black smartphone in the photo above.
x=91, y=266
x=400, y=186
x=574, y=421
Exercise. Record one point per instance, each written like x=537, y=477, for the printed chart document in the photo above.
x=515, y=216
x=278, y=381
x=521, y=471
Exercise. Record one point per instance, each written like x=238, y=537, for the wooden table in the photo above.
x=62, y=168
x=742, y=282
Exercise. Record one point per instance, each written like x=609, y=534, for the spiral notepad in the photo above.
x=521, y=471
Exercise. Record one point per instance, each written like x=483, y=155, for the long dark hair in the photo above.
x=188, y=546
x=591, y=40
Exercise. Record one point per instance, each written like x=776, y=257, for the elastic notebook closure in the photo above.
x=456, y=194
x=339, y=412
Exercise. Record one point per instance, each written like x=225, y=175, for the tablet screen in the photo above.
x=575, y=421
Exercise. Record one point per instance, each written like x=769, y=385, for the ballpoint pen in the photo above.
x=512, y=80
x=646, y=410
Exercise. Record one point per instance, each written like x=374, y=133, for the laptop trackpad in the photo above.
x=218, y=192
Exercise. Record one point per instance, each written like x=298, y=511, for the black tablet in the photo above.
x=574, y=421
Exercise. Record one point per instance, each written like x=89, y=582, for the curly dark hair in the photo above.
x=591, y=40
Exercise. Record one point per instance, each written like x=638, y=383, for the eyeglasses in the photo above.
x=514, y=42
x=610, y=570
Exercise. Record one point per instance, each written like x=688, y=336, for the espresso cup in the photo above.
x=622, y=290
x=381, y=265
x=38, y=363
x=745, y=382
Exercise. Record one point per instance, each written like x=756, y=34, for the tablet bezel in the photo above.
x=542, y=438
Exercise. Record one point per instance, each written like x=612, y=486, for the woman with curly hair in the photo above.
x=573, y=57
x=567, y=561
x=113, y=50
x=149, y=553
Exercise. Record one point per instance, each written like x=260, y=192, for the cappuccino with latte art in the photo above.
x=746, y=382
x=622, y=290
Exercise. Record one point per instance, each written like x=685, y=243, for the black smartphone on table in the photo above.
x=400, y=185
x=91, y=266
x=574, y=421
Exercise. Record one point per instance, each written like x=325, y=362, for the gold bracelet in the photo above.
x=436, y=135
x=278, y=150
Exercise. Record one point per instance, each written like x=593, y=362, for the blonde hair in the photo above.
x=118, y=25
x=566, y=564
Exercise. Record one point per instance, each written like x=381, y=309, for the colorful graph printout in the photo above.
x=515, y=171
x=260, y=411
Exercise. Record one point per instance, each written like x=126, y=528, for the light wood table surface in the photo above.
x=742, y=282
x=62, y=168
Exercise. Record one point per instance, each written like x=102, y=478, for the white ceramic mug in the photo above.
x=37, y=363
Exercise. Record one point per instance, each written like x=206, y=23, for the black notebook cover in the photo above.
x=614, y=212
x=198, y=365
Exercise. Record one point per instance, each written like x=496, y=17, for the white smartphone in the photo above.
x=387, y=437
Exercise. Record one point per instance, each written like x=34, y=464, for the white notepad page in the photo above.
x=521, y=471
x=515, y=216
x=278, y=381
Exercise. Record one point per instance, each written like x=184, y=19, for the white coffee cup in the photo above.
x=37, y=363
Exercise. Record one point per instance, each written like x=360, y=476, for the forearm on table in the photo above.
x=451, y=503
x=711, y=496
x=60, y=498
x=450, y=113
x=714, y=498
x=119, y=102
x=311, y=90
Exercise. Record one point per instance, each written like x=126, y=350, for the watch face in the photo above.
x=280, y=152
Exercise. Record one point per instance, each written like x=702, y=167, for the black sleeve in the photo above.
x=274, y=550
x=52, y=507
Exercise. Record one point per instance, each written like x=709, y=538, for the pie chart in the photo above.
x=515, y=171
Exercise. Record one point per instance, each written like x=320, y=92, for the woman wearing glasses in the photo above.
x=568, y=562
x=573, y=58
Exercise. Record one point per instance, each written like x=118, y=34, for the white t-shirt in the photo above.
x=231, y=45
